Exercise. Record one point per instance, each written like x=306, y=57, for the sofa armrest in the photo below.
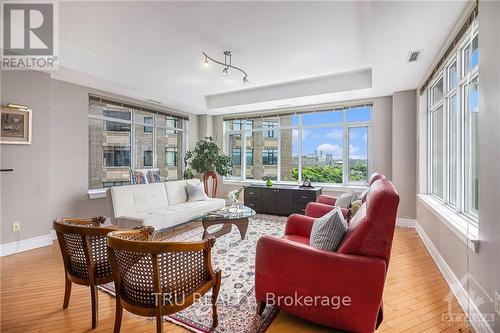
x=287, y=269
x=315, y=209
x=326, y=199
x=299, y=225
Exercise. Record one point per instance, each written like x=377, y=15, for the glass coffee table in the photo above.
x=225, y=218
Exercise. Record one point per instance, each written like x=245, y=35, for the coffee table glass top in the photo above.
x=227, y=213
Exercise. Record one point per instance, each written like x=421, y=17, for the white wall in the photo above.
x=50, y=177
x=484, y=266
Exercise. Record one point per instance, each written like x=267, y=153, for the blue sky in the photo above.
x=330, y=139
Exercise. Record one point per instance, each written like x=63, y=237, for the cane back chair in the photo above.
x=84, y=252
x=155, y=279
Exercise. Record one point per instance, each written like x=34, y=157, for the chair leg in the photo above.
x=118, y=315
x=215, y=296
x=67, y=292
x=95, y=304
x=159, y=323
x=261, y=305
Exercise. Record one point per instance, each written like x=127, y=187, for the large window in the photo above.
x=122, y=137
x=453, y=129
x=325, y=146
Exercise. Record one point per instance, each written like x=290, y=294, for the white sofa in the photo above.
x=160, y=205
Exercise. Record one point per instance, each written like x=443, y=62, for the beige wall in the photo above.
x=484, y=266
x=382, y=136
x=50, y=177
x=404, y=153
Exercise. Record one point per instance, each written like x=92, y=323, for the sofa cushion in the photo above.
x=327, y=231
x=162, y=218
x=176, y=191
x=135, y=198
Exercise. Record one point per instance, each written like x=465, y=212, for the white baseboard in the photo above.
x=27, y=244
x=480, y=324
x=405, y=223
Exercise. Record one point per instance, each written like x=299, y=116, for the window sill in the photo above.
x=97, y=193
x=326, y=187
x=457, y=223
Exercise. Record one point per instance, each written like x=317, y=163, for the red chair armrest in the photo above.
x=315, y=209
x=299, y=225
x=326, y=199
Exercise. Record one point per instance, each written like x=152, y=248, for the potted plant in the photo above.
x=208, y=160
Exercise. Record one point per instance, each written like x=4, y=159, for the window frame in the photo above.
x=344, y=124
x=463, y=79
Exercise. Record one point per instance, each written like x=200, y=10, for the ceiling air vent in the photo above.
x=413, y=56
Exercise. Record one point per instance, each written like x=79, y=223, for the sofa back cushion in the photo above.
x=177, y=190
x=371, y=230
x=136, y=198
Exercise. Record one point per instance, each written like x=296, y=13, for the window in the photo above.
x=269, y=156
x=269, y=127
x=148, y=158
x=249, y=156
x=148, y=120
x=236, y=156
x=358, y=154
x=325, y=146
x=124, y=137
x=453, y=130
x=171, y=156
x=116, y=156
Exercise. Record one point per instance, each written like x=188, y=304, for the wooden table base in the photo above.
x=241, y=224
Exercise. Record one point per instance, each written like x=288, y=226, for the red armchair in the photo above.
x=340, y=289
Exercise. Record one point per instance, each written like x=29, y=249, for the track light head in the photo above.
x=224, y=71
x=245, y=80
x=205, y=63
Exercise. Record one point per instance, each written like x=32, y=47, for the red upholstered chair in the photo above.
x=329, y=200
x=288, y=270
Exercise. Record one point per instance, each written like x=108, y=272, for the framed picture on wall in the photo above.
x=15, y=126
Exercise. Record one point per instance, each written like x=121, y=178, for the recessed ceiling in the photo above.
x=152, y=50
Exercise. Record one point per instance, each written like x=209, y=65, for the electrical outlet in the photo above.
x=497, y=303
x=16, y=226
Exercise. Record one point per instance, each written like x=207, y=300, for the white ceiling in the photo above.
x=152, y=50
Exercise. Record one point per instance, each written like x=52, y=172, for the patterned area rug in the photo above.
x=236, y=259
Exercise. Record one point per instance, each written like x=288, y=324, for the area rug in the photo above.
x=236, y=259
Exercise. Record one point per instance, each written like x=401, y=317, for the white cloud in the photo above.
x=335, y=134
x=353, y=150
x=328, y=148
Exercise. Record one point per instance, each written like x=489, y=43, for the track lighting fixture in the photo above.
x=227, y=64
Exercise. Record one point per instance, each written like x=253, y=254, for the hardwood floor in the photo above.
x=32, y=289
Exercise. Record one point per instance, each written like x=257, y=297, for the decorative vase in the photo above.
x=206, y=177
x=269, y=183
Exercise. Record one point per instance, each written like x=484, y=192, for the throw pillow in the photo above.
x=353, y=207
x=153, y=176
x=327, y=231
x=196, y=192
x=139, y=177
x=345, y=199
